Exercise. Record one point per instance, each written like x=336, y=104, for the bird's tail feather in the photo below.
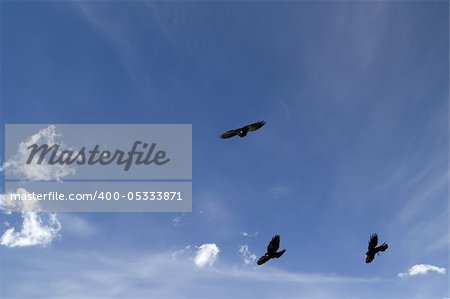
x=263, y=259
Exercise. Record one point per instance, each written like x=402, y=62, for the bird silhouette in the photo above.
x=373, y=249
x=242, y=132
x=272, y=251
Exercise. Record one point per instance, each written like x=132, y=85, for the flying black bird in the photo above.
x=272, y=250
x=242, y=132
x=373, y=249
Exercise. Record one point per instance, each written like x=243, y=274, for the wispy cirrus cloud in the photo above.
x=247, y=256
x=178, y=220
x=77, y=225
x=422, y=269
x=278, y=191
x=111, y=29
x=109, y=275
x=182, y=253
x=247, y=234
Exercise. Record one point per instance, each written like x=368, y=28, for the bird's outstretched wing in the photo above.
x=273, y=245
x=263, y=259
x=229, y=134
x=373, y=241
x=256, y=125
x=279, y=253
x=383, y=247
x=243, y=131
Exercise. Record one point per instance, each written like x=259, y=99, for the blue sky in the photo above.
x=355, y=96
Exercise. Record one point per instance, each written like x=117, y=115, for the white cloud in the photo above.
x=247, y=256
x=8, y=204
x=204, y=255
x=37, y=229
x=422, y=269
x=17, y=165
x=176, y=221
x=246, y=234
x=207, y=255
